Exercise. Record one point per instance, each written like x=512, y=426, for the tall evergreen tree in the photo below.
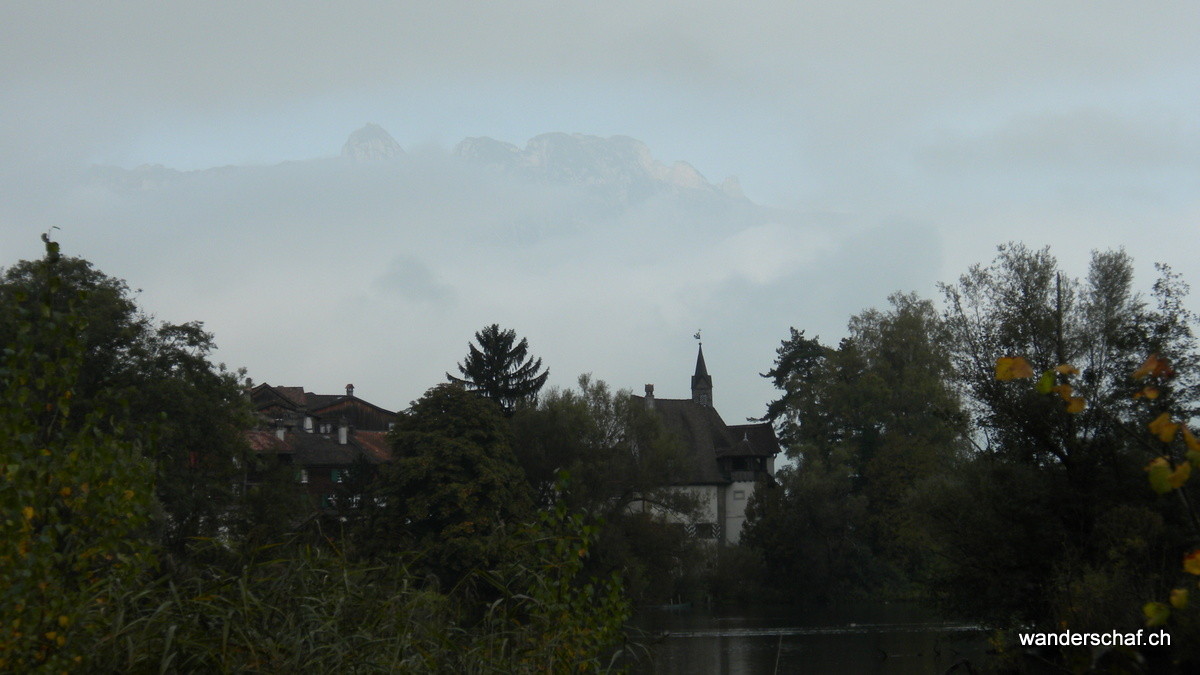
x=500, y=368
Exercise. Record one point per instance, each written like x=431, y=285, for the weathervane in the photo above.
x=697, y=335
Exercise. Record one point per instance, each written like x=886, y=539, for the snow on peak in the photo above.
x=619, y=162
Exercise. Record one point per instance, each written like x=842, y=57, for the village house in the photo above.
x=725, y=462
x=322, y=436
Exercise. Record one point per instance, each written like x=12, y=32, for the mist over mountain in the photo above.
x=619, y=171
x=319, y=270
x=620, y=164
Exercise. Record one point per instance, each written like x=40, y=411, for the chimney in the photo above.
x=279, y=429
x=343, y=430
x=349, y=390
x=649, y=396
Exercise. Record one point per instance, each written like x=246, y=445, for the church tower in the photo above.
x=702, y=382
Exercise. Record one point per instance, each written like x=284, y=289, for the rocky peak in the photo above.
x=371, y=143
x=618, y=162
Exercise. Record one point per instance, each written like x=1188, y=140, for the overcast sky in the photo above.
x=897, y=142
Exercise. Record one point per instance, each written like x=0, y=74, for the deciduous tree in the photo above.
x=867, y=424
x=617, y=455
x=1056, y=493
x=453, y=489
x=187, y=412
x=74, y=494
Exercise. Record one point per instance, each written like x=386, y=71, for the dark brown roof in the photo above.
x=312, y=449
x=315, y=402
x=319, y=402
x=266, y=442
x=375, y=445
x=705, y=437
x=755, y=440
x=265, y=396
x=294, y=394
x=321, y=449
x=293, y=404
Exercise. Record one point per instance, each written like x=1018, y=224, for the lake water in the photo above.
x=900, y=638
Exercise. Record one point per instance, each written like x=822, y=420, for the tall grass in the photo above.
x=308, y=609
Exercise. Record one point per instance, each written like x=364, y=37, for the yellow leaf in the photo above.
x=1013, y=368
x=1066, y=369
x=1156, y=613
x=1192, y=444
x=1180, y=475
x=1179, y=598
x=1076, y=404
x=1064, y=391
x=27, y=512
x=1164, y=428
x=1191, y=562
x=1160, y=474
x=1149, y=392
x=1153, y=365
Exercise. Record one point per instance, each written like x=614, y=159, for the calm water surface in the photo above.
x=899, y=638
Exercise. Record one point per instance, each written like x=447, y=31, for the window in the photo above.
x=329, y=501
x=739, y=494
x=706, y=530
x=338, y=475
x=302, y=476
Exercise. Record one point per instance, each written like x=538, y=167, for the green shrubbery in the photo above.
x=89, y=583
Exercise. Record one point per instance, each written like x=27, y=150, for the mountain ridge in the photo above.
x=620, y=167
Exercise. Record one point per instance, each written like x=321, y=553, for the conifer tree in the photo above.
x=500, y=368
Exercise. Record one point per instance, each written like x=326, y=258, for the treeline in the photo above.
x=499, y=538
x=992, y=456
x=1019, y=455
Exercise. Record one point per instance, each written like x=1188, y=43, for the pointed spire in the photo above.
x=701, y=382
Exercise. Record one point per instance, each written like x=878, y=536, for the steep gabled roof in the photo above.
x=755, y=440
x=706, y=437
x=265, y=396
x=294, y=403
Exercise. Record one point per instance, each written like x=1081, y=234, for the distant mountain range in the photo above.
x=621, y=167
x=617, y=162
